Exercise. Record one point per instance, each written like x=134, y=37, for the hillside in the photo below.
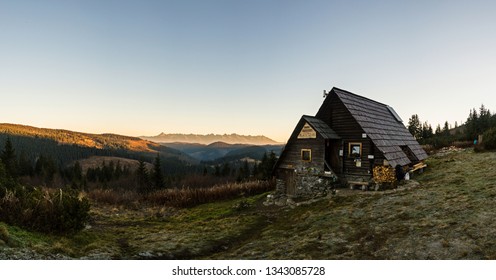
x=97, y=161
x=210, y=138
x=98, y=141
x=66, y=146
x=447, y=213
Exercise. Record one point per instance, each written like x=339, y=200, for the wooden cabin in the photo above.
x=347, y=138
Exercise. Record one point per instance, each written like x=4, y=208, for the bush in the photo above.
x=113, y=197
x=489, y=139
x=4, y=234
x=188, y=197
x=54, y=211
x=463, y=144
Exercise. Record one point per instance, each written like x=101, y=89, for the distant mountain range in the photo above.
x=220, y=152
x=66, y=147
x=211, y=138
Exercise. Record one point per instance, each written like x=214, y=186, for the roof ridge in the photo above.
x=356, y=95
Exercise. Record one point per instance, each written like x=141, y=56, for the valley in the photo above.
x=444, y=213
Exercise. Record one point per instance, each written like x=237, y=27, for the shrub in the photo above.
x=489, y=139
x=463, y=144
x=56, y=211
x=113, y=197
x=4, y=234
x=429, y=149
x=188, y=197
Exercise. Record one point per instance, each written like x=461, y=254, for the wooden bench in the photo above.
x=364, y=185
x=419, y=166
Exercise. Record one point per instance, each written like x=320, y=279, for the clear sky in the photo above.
x=246, y=67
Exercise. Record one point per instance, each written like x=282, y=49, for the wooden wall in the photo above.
x=292, y=154
x=334, y=113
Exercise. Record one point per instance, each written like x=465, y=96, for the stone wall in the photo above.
x=312, y=186
x=306, y=186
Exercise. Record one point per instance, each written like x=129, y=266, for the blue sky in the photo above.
x=247, y=67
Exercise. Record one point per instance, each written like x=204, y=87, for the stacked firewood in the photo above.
x=384, y=174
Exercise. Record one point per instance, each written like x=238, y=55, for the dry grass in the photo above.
x=97, y=161
x=188, y=197
x=184, y=197
x=113, y=197
x=449, y=216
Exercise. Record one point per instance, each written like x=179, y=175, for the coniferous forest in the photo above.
x=48, y=179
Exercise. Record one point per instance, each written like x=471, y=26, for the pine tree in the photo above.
x=427, y=131
x=415, y=127
x=246, y=170
x=118, y=170
x=45, y=168
x=3, y=174
x=142, y=178
x=471, y=125
x=255, y=170
x=446, y=129
x=25, y=165
x=484, y=119
x=78, y=172
x=158, y=176
x=438, y=130
x=226, y=169
x=267, y=164
x=9, y=159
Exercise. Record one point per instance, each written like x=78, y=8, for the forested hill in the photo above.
x=65, y=147
x=99, y=141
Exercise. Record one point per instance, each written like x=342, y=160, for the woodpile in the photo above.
x=451, y=149
x=419, y=166
x=384, y=174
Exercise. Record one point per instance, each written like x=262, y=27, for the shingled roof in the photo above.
x=321, y=127
x=381, y=125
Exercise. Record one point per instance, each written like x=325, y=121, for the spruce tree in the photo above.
x=158, y=176
x=446, y=129
x=9, y=159
x=142, y=179
x=415, y=127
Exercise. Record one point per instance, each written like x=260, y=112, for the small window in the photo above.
x=306, y=155
x=355, y=149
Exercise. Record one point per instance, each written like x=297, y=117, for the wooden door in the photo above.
x=290, y=181
x=334, y=159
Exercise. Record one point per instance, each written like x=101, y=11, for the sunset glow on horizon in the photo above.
x=140, y=68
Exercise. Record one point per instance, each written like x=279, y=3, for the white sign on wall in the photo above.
x=307, y=132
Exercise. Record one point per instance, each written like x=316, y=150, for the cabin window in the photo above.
x=355, y=149
x=306, y=155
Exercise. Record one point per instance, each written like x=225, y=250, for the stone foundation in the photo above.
x=308, y=186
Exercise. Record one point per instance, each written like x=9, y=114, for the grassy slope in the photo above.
x=149, y=233
x=450, y=216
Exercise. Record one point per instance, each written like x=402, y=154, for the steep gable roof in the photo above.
x=380, y=124
x=321, y=127
x=318, y=125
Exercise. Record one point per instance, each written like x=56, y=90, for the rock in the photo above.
x=280, y=202
x=146, y=254
x=289, y=201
